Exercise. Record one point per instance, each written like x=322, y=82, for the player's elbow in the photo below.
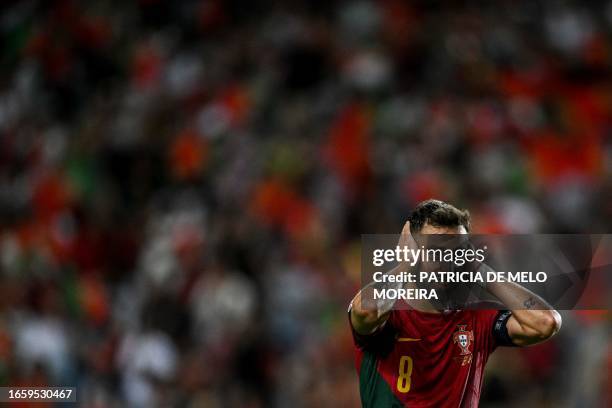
x=364, y=320
x=361, y=314
x=549, y=323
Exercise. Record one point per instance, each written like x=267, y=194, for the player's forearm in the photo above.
x=535, y=318
x=367, y=315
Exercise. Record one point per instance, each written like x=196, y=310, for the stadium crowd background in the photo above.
x=184, y=184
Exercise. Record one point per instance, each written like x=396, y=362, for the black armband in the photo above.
x=500, y=331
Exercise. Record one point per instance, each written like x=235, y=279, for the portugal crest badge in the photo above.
x=463, y=338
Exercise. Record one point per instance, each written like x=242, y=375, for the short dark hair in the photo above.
x=439, y=214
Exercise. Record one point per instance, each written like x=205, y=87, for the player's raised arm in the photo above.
x=366, y=320
x=533, y=320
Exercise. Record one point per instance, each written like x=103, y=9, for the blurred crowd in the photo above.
x=184, y=184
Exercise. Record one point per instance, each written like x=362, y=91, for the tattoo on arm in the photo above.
x=529, y=303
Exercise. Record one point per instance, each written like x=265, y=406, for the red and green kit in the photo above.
x=419, y=359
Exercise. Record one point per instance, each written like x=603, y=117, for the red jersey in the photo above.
x=420, y=359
